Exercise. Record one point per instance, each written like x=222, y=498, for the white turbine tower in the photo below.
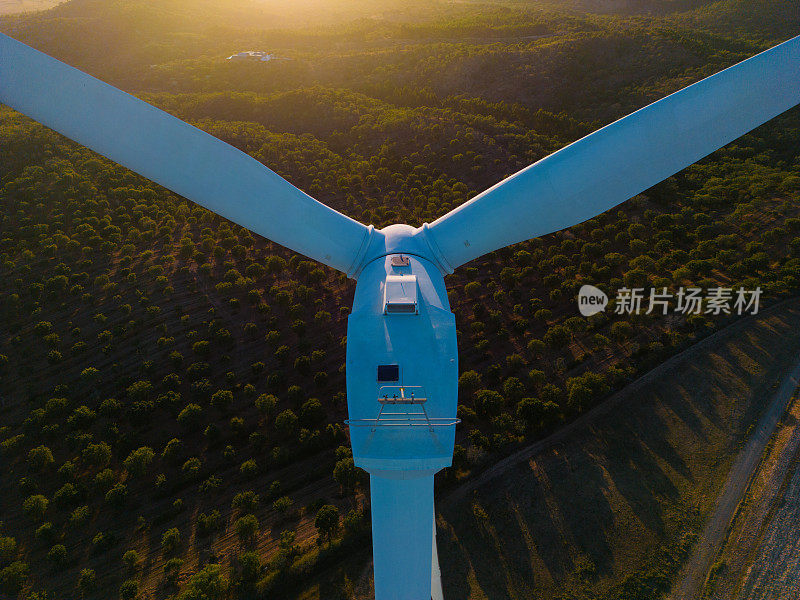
x=402, y=360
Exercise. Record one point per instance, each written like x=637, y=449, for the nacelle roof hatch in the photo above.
x=400, y=295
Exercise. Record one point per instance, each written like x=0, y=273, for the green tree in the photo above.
x=222, y=399
x=129, y=589
x=206, y=584
x=327, y=521
x=131, y=560
x=35, y=506
x=265, y=404
x=190, y=416
x=87, y=581
x=57, y=554
x=8, y=549
x=246, y=528
x=97, y=455
x=469, y=382
x=249, y=468
x=13, y=577
x=345, y=473
x=245, y=501
x=40, y=457
x=488, y=403
x=170, y=540
x=286, y=422
x=249, y=567
x=138, y=461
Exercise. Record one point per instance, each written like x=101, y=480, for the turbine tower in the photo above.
x=402, y=359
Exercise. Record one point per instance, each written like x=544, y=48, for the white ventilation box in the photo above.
x=400, y=295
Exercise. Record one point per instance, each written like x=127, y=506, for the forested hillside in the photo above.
x=172, y=386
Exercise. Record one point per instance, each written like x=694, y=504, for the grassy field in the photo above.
x=626, y=491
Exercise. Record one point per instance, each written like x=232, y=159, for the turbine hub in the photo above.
x=398, y=239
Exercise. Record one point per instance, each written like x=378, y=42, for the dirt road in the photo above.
x=689, y=584
x=775, y=571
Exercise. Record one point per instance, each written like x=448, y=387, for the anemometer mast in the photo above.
x=402, y=361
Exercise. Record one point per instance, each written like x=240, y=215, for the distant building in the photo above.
x=255, y=55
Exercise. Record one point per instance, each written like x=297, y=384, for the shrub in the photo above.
x=173, y=450
x=202, y=348
x=312, y=413
x=346, y=474
x=513, y=389
x=67, y=471
x=11, y=444
x=81, y=418
x=45, y=531
x=472, y=289
x=536, y=347
x=209, y=522
x=79, y=516
x=621, y=330
x=171, y=570
x=250, y=567
x=140, y=390
x=557, y=336
x=191, y=468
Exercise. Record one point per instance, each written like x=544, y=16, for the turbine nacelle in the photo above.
x=402, y=364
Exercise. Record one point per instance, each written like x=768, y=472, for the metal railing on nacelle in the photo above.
x=409, y=395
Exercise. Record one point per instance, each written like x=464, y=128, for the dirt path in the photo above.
x=760, y=559
x=690, y=582
x=775, y=570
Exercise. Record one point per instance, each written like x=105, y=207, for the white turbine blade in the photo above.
x=174, y=154
x=624, y=158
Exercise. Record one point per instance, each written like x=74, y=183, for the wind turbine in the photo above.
x=402, y=360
